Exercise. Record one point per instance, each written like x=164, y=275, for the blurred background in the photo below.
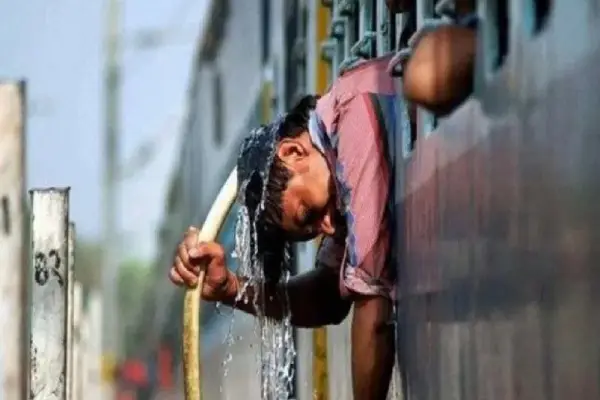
x=81, y=92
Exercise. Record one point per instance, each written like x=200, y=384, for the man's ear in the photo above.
x=327, y=227
x=291, y=150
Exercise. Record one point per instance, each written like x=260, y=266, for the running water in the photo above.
x=277, y=350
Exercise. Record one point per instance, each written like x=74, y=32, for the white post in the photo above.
x=78, y=344
x=94, y=346
x=48, y=358
x=13, y=267
x=70, y=313
x=84, y=356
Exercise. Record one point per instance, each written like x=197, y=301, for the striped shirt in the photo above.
x=354, y=126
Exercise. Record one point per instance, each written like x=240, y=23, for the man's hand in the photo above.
x=220, y=284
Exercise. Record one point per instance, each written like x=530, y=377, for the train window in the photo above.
x=425, y=10
x=218, y=104
x=429, y=122
x=409, y=128
x=413, y=135
x=535, y=15
x=406, y=25
x=295, y=67
x=502, y=26
x=497, y=26
x=385, y=28
x=266, y=31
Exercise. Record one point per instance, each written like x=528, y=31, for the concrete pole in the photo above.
x=13, y=267
x=97, y=389
x=70, y=313
x=49, y=283
x=85, y=354
x=78, y=344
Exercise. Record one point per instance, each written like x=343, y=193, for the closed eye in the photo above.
x=306, y=217
x=302, y=216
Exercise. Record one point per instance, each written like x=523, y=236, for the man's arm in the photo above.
x=314, y=299
x=368, y=271
x=373, y=347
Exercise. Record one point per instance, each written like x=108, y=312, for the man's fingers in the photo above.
x=205, y=250
x=397, y=61
x=188, y=276
x=174, y=277
x=182, y=253
x=191, y=237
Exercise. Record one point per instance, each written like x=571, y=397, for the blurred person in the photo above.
x=438, y=61
x=439, y=71
x=330, y=174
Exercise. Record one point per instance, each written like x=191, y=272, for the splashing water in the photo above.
x=276, y=337
x=277, y=350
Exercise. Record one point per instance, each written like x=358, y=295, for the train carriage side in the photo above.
x=498, y=284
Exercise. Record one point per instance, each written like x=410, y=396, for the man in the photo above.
x=332, y=175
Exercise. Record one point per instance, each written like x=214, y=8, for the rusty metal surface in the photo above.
x=499, y=284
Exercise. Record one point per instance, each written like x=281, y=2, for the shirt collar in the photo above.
x=320, y=139
x=316, y=131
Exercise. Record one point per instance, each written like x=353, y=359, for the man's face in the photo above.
x=308, y=203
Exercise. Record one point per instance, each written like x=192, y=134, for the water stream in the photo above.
x=277, y=351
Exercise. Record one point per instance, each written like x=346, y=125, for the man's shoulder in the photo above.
x=370, y=76
x=373, y=64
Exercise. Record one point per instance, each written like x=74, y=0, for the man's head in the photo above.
x=299, y=199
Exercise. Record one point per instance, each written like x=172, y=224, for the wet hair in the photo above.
x=294, y=124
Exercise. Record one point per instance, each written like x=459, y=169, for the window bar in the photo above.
x=383, y=27
x=348, y=13
x=337, y=32
x=363, y=48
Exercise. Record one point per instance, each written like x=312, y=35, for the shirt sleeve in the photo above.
x=363, y=176
x=331, y=253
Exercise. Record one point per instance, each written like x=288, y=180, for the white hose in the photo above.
x=191, y=304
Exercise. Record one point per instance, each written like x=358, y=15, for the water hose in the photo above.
x=191, y=303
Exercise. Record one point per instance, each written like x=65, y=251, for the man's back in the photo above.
x=354, y=126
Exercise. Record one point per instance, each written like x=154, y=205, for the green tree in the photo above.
x=88, y=264
x=134, y=281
